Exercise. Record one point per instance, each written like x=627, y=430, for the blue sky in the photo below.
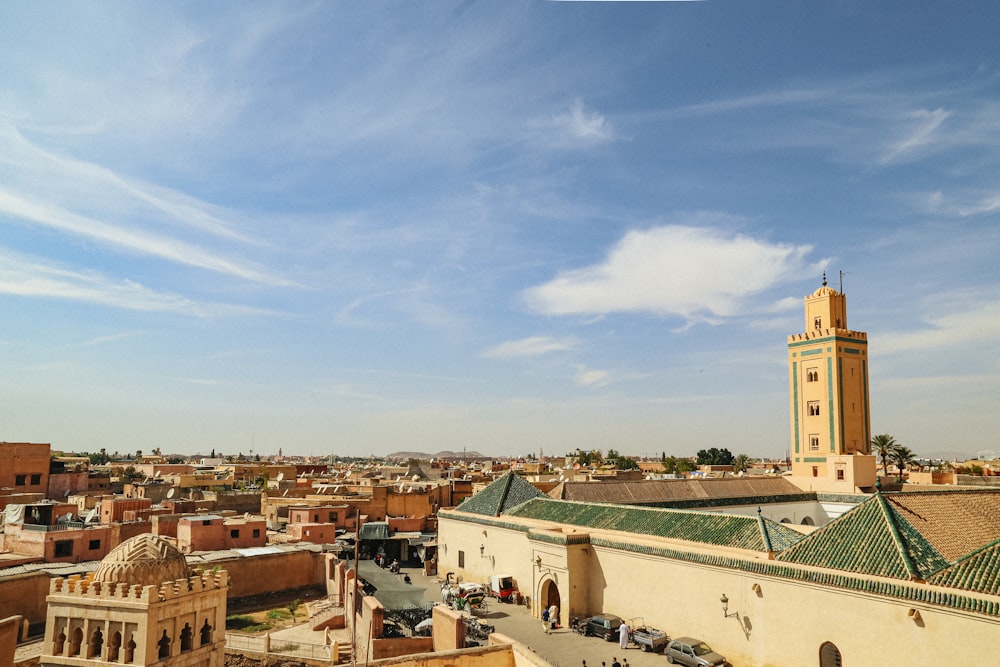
x=510, y=227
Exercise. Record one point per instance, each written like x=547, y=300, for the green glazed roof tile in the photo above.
x=741, y=532
x=505, y=493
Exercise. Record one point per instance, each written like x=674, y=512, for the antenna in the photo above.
x=842, y=273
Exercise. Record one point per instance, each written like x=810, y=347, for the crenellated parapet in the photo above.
x=821, y=334
x=86, y=587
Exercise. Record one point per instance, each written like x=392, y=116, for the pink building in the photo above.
x=211, y=532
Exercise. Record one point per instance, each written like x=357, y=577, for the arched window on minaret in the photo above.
x=164, y=645
x=206, y=634
x=186, y=635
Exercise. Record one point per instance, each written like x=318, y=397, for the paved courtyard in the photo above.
x=562, y=647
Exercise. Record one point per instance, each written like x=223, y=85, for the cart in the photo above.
x=647, y=638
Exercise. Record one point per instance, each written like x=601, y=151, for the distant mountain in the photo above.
x=444, y=454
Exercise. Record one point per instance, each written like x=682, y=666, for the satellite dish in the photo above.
x=171, y=492
x=281, y=476
x=285, y=493
x=91, y=515
x=158, y=473
x=66, y=495
x=246, y=516
x=416, y=478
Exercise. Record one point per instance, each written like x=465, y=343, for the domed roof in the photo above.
x=145, y=560
x=825, y=291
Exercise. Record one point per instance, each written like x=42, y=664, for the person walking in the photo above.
x=545, y=620
x=554, y=616
x=623, y=635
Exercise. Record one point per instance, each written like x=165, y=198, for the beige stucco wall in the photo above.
x=783, y=624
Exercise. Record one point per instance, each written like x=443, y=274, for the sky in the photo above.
x=505, y=227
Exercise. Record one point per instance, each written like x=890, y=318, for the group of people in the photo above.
x=614, y=663
x=550, y=618
x=393, y=566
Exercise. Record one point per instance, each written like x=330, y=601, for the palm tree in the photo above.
x=884, y=445
x=902, y=457
x=741, y=463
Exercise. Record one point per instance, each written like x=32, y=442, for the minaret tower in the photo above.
x=828, y=393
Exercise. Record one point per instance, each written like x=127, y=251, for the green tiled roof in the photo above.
x=979, y=572
x=872, y=538
x=741, y=532
x=505, y=493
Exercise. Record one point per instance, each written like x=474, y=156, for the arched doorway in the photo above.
x=829, y=655
x=549, y=596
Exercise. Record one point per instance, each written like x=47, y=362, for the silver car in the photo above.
x=693, y=653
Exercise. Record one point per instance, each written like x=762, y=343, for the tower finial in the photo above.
x=824, y=279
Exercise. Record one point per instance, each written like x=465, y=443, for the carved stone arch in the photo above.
x=95, y=643
x=206, y=633
x=187, y=636
x=59, y=643
x=75, y=640
x=548, y=595
x=114, y=646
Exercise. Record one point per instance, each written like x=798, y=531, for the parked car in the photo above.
x=693, y=653
x=602, y=625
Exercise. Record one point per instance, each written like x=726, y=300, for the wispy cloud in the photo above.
x=962, y=327
x=531, y=347
x=921, y=132
x=700, y=274
x=20, y=276
x=590, y=377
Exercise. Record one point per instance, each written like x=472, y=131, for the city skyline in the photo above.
x=510, y=228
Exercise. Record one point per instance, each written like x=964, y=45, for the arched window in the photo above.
x=95, y=644
x=60, y=643
x=186, y=634
x=206, y=634
x=829, y=656
x=807, y=521
x=129, y=651
x=76, y=638
x=114, y=647
x=164, y=645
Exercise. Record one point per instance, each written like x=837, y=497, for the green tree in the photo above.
x=675, y=465
x=883, y=445
x=130, y=474
x=292, y=607
x=715, y=457
x=742, y=463
x=902, y=457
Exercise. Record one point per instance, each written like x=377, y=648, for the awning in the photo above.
x=375, y=530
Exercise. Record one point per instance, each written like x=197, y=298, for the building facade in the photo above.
x=828, y=394
x=142, y=606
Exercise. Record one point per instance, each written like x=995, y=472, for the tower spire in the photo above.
x=824, y=279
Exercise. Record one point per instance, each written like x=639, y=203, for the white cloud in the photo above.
x=979, y=324
x=920, y=134
x=590, y=377
x=577, y=127
x=531, y=347
x=29, y=278
x=695, y=273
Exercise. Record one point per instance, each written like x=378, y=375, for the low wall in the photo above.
x=400, y=646
x=274, y=573
x=24, y=595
